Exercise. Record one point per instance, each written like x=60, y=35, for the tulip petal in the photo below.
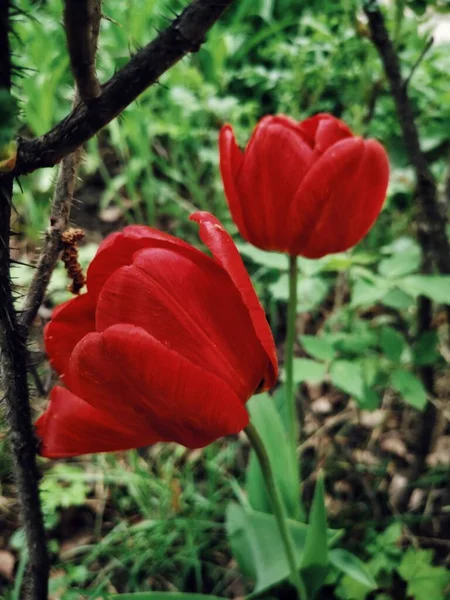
x=275, y=162
x=126, y=371
x=224, y=251
x=184, y=299
x=118, y=249
x=70, y=427
x=339, y=198
x=324, y=130
x=230, y=163
x=342, y=225
x=326, y=183
x=70, y=322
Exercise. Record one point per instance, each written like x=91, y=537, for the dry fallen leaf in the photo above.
x=7, y=562
x=441, y=454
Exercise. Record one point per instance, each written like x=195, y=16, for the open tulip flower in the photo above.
x=167, y=344
x=308, y=189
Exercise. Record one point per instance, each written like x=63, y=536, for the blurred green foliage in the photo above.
x=156, y=164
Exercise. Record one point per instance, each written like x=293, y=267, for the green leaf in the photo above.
x=424, y=580
x=279, y=399
x=389, y=538
x=425, y=349
x=306, y=369
x=356, y=343
x=163, y=596
x=254, y=538
x=271, y=260
x=350, y=589
x=410, y=388
x=309, y=266
x=369, y=400
x=314, y=565
x=400, y=264
x=265, y=417
x=392, y=343
x=311, y=291
x=403, y=244
x=398, y=299
x=352, y=566
x=280, y=288
x=367, y=294
x=318, y=347
x=435, y=287
x=347, y=375
x=238, y=536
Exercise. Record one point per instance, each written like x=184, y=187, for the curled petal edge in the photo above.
x=224, y=251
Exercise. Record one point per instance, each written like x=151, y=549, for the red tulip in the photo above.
x=167, y=344
x=310, y=188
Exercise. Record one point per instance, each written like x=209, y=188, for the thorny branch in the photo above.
x=431, y=220
x=13, y=372
x=185, y=34
x=82, y=23
x=65, y=184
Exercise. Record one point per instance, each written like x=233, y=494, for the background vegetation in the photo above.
x=154, y=519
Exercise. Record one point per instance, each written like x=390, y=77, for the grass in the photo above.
x=101, y=514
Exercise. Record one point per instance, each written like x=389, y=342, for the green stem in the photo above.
x=289, y=354
x=277, y=507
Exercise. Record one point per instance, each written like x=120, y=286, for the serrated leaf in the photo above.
x=347, y=375
x=356, y=343
x=425, y=349
x=352, y=566
x=435, y=287
x=311, y=291
x=350, y=589
x=367, y=294
x=271, y=260
x=318, y=347
x=392, y=343
x=306, y=369
x=410, y=388
x=279, y=289
x=369, y=400
x=425, y=581
x=400, y=264
x=398, y=299
x=389, y=537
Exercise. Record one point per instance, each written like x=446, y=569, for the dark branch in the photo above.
x=425, y=49
x=79, y=15
x=430, y=220
x=13, y=371
x=184, y=35
x=63, y=195
x=59, y=219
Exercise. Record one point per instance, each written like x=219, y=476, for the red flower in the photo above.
x=308, y=188
x=167, y=344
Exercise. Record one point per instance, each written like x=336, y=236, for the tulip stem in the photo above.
x=290, y=394
x=277, y=507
